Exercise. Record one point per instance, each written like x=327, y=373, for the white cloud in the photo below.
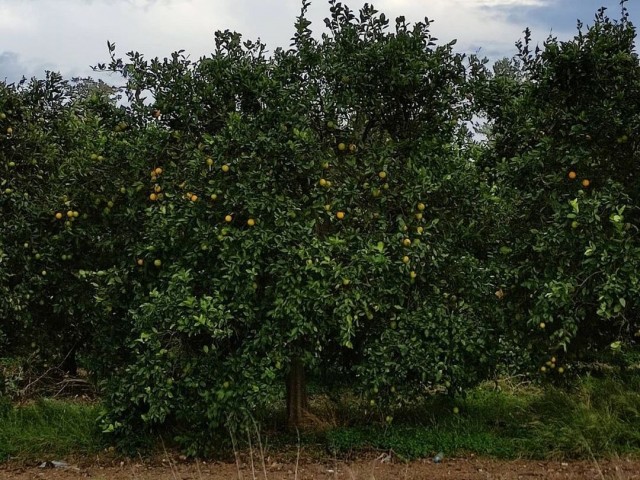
x=72, y=34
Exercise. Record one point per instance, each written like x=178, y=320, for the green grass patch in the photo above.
x=597, y=419
x=48, y=428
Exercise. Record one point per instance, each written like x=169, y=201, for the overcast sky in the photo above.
x=70, y=35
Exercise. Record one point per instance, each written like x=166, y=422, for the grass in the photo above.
x=598, y=418
x=48, y=428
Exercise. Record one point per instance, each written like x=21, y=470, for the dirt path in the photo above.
x=374, y=469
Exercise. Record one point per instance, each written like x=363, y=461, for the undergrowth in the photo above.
x=597, y=418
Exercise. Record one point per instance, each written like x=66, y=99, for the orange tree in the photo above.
x=61, y=172
x=317, y=210
x=563, y=157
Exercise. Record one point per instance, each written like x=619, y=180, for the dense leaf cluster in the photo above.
x=326, y=206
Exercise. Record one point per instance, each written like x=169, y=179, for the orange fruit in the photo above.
x=158, y=171
x=352, y=148
x=586, y=183
x=340, y=215
x=157, y=262
x=418, y=216
x=228, y=218
x=413, y=274
x=59, y=216
x=323, y=182
x=76, y=214
x=225, y=168
x=342, y=147
x=405, y=259
x=153, y=197
x=382, y=174
x=194, y=198
x=406, y=242
x=251, y=222
x=214, y=196
x=70, y=213
x=9, y=131
x=140, y=262
x=209, y=161
x=421, y=207
x=157, y=189
x=572, y=175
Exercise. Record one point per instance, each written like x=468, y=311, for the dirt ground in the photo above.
x=380, y=468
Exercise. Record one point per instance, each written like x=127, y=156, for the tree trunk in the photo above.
x=297, y=401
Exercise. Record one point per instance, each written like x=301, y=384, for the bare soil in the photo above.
x=381, y=468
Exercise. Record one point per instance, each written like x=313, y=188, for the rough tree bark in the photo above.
x=297, y=400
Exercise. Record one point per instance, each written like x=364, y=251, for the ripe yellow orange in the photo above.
x=158, y=171
x=194, y=198
x=251, y=222
x=342, y=147
x=340, y=215
x=382, y=174
x=406, y=242
x=561, y=370
x=405, y=259
x=157, y=189
x=59, y=216
x=542, y=325
x=323, y=182
x=214, y=196
x=327, y=207
x=586, y=182
x=572, y=175
x=70, y=213
x=75, y=214
x=157, y=262
x=209, y=161
x=140, y=262
x=9, y=131
x=225, y=168
x=153, y=197
x=228, y=218
x=352, y=148
x=418, y=216
x=421, y=207
x=419, y=230
x=413, y=274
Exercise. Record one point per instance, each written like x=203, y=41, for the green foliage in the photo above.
x=563, y=160
x=324, y=204
x=288, y=192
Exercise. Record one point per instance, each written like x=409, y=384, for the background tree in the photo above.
x=563, y=153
